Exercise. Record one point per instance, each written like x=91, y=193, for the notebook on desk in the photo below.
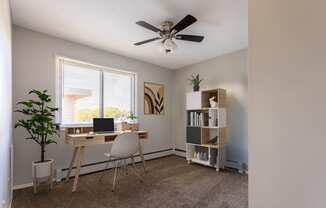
x=103, y=125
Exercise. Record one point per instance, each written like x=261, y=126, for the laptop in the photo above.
x=103, y=125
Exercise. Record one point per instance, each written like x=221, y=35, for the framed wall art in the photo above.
x=153, y=99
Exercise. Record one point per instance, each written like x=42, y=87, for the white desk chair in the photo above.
x=124, y=146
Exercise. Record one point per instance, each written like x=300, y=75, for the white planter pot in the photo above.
x=42, y=169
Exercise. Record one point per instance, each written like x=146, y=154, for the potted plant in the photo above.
x=131, y=123
x=195, y=82
x=41, y=128
x=132, y=118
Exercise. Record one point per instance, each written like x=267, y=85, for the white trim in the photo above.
x=94, y=66
x=101, y=96
x=179, y=153
x=75, y=125
x=11, y=174
x=97, y=167
x=21, y=186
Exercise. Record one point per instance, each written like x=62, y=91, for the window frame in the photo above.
x=61, y=60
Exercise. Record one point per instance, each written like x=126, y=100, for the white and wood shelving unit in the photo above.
x=206, y=128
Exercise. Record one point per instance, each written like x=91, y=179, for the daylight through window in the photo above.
x=88, y=91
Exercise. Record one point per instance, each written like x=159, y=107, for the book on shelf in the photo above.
x=196, y=119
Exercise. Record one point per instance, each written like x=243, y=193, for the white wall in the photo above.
x=287, y=104
x=5, y=104
x=229, y=72
x=34, y=67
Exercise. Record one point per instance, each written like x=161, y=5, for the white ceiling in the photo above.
x=110, y=25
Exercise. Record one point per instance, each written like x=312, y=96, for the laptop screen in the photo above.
x=103, y=124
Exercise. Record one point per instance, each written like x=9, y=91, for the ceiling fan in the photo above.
x=169, y=32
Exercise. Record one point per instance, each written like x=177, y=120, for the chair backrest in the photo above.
x=125, y=145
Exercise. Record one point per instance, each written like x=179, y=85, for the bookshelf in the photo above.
x=206, y=128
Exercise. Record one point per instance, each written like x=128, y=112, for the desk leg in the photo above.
x=79, y=162
x=72, y=162
x=142, y=156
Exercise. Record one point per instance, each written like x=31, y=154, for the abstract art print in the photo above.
x=153, y=98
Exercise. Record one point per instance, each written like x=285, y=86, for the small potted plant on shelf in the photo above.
x=195, y=82
x=42, y=129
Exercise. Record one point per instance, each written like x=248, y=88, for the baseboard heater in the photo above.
x=59, y=172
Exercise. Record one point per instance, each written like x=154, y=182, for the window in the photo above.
x=87, y=91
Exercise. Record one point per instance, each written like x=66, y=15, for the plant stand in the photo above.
x=43, y=173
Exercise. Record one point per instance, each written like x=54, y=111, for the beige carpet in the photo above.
x=170, y=182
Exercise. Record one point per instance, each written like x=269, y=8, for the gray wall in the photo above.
x=287, y=104
x=34, y=67
x=229, y=72
x=5, y=104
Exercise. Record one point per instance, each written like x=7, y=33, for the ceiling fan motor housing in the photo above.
x=166, y=26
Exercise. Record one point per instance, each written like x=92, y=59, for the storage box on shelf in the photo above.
x=206, y=127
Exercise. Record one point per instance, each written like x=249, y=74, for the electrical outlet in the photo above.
x=3, y=203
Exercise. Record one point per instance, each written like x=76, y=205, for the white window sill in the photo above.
x=62, y=126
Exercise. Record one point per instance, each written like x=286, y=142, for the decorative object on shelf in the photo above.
x=212, y=103
x=77, y=131
x=212, y=117
x=213, y=140
x=42, y=129
x=195, y=82
x=153, y=98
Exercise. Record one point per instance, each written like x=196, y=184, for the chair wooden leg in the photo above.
x=73, y=159
x=51, y=176
x=51, y=182
x=80, y=156
x=115, y=175
x=142, y=156
x=105, y=170
x=35, y=185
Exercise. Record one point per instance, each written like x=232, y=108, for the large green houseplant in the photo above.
x=39, y=122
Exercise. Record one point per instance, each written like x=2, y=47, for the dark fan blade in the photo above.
x=185, y=22
x=147, y=41
x=148, y=26
x=194, y=38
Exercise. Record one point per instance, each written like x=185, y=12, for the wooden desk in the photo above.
x=80, y=141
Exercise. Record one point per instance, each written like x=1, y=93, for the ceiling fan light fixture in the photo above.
x=169, y=46
x=161, y=47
